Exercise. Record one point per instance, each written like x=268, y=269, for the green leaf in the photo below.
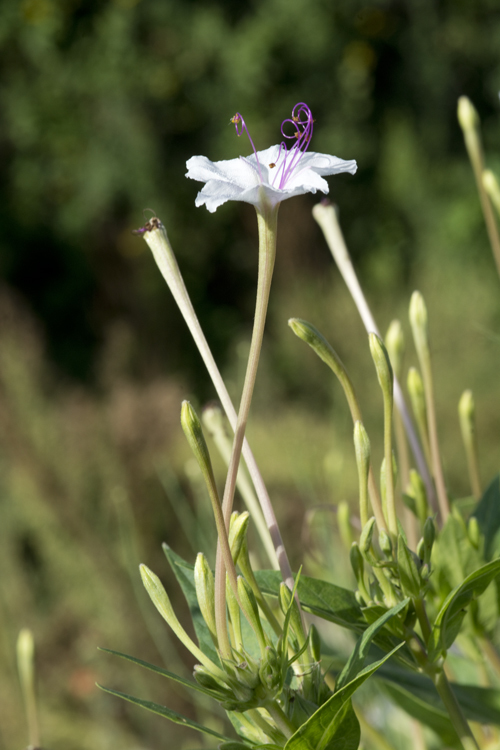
x=321, y=598
x=449, y=620
x=166, y=712
x=357, y=659
x=488, y=515
x=326, y=729
x=159, y=670
x=184, y=572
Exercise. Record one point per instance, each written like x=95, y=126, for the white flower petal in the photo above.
x=251, y=181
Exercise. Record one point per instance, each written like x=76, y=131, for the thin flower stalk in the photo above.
x=326, y=217
x=267, y=223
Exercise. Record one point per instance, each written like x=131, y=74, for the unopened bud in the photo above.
x=474, y=532
x=365, y=541
x=237, y=532
x=194, y=434
x=288, y=602
x=419, y=323
x=467, y=114
x=421, y=549
x=395, y=343
x=251, y=610
x=357, y=562
x=382, y=364
x=205, y=593
x=429, y=538
x=315, y=642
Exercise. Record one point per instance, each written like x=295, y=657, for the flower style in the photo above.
x=270, y=176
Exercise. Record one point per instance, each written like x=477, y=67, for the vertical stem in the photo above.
x=267, y=222
x=410, y=522
x=444, y=505
x=392, y=520
x=457, y=718
x=327, y=219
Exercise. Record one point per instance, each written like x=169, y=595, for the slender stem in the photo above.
x=392, y=520
x=158, y=241
x=457, y=718
x=327, y=219
x=410, y=522
x=282, y=721
x=425, y=363
x=267, y=222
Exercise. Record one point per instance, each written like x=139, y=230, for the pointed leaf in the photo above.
x=320, y=732
x=408, y=573
x=449, y=620
x=357, y=659
x=159, y=670
x=166, y=712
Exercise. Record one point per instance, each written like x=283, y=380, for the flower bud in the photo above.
x=287, y=601
x=382, y=364
x=315, y=642
x=408, y=571
x=395, y=344
x=194, y=434
x=421, y=549
x=237, y=532
x=467, y=114
x=474, y=532
x=429, y=538
x=205, y=593
x=357, y=563
x=419, y=323
x=365, y=541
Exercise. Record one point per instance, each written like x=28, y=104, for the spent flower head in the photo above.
x=269, y=176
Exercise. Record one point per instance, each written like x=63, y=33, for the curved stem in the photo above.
x=457, y=718
x=267, y=221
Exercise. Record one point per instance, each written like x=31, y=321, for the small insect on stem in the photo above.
x=153, y=223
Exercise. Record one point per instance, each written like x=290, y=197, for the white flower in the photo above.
x=239, y=180
x=270, y=176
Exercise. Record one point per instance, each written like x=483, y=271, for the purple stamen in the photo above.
x=302, y=120
x=240, y=125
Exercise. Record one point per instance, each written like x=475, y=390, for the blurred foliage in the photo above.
x=102, y=102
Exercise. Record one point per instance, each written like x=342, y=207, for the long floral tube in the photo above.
x=326, y=217
x=157, y=239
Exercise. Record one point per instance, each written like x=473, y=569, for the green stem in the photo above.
x=280, y=718
x=457, y=718
x=392, y=520
x=267, y=222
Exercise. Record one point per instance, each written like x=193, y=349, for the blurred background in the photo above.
x=101, y=104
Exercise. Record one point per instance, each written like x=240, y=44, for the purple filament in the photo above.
x=240, y=125
x=303, y=122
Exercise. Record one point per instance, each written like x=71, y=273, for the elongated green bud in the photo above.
x=492, y=187
x=160, y=599
x=467, y=114
x=315, y=642
x=382, y=364
x=408, y=572
x=474, y=532
x=249, y=605
x=418, y=404
x=467, y=413
x=327, y=353
x=344, y=523
x=237, y=532
x=365, y=541
x=205, y=593
x=395, y=344
x=429, y=538
x=194, y=434
x=419, y=321
x=206, y=679
x=25, y=649
x=286, y=601
x=421, y=549
x=362, y=450
x=357, y=562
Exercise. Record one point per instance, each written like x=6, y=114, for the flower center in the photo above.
x=288, y=159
